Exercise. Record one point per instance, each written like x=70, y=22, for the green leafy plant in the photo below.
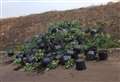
x=53, y=64
x=69, y=63
x=17, y=61
x=29, y=67
x=39, y=55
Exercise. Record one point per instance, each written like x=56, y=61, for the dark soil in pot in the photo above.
x=91, y=53
x=102, y=54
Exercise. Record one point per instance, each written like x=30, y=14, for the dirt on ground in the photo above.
x=102, y=71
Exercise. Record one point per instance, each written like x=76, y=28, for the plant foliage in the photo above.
x=63, y=42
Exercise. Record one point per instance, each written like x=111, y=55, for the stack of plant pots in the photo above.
x=61, y=45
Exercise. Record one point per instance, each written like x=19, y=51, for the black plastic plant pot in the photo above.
x=33, y=50
x=77, y=49
x=54, y=30
x=94, y=48
x=49, y=55
x=58, y=56
x=42, y=45
x=46, y=61
x=93, y=32
x=57, y=47
x=20, y=55
x=64, y=59
x=80, y=65
x=39, y=41
x=102, y=54
x=74, y=56
x=91, y=55
x=70, y=52
x=10, y=53
x=28, y=59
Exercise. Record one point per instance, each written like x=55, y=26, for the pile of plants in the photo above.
x=64, y=44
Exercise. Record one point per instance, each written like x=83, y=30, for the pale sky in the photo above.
x=14, y=8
